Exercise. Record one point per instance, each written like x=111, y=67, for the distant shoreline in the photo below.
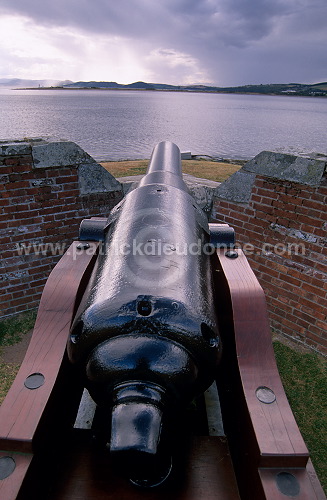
x=189, y=91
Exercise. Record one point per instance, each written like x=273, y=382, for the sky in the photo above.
x=220, y=42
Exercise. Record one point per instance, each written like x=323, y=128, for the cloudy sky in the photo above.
x=224, y=42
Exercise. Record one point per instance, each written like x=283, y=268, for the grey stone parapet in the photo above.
x=301, y=170
x=59, y=154
x=49, y=153
x=287, y=167
x=14, y=148
x=237, y=188
x=93, y=178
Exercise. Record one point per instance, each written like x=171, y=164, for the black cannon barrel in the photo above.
x=146, y=333
x=166, y=157
x=165, y=167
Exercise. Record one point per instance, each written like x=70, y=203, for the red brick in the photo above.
x=224, y=211
x=69, y=192
x=11, y=161
x=67, y=179
x=259, y=181
x=6, y=297
x=309, y=221
x=317, y=340
x=266, y=192
x=26, y=161
x=314, y=290
x=287, y=322
x=18, y=193
x=5, y=169
x=17, y=185
x=265, y=200
x=5, y=194
x=21, y=308
x=17, y=288
x=67, y=171
x=292, y=202
x=322, y=325
x=53, y=173
x=268, y=217
x=320, y=216
x=14, y=177
x=18, y=301
x=318, y=231
x=268, y=273
x=312, y=203
x=286, y=305
x=256, y=198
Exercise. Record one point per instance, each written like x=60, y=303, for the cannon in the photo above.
x=151, y=308
x=146, y=334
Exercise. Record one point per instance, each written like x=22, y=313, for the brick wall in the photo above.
x=282, y=227
x=43, y=200
x=276, y=203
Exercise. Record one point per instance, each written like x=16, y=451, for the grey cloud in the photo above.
x=125, y=17
x=232, y=22
x=245, y=19
x=223, y=35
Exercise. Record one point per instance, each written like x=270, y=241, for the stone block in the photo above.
x=59, y=154
x=93, y=178
x=287, y=167
x=15, y=149
x=237, y=188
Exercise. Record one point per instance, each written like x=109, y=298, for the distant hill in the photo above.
x=111, y=85
x=320, y=86
x=275, y=88
x=317, y=89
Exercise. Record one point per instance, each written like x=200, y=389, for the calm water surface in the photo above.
x=125, y=124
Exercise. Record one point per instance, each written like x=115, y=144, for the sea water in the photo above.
x=114, y=125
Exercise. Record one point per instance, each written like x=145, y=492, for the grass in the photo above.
x=11, y=332
x=213, y=170
x=8, y=373
x=12, y=329
x=303, y=376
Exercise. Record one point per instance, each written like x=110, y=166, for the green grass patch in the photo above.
x=213, y=170
x=8, y=373
x=12, y=329
x=126, y=168
x=304, y=377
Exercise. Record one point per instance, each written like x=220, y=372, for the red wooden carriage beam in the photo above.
x=270, y=457
x=29, y=418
